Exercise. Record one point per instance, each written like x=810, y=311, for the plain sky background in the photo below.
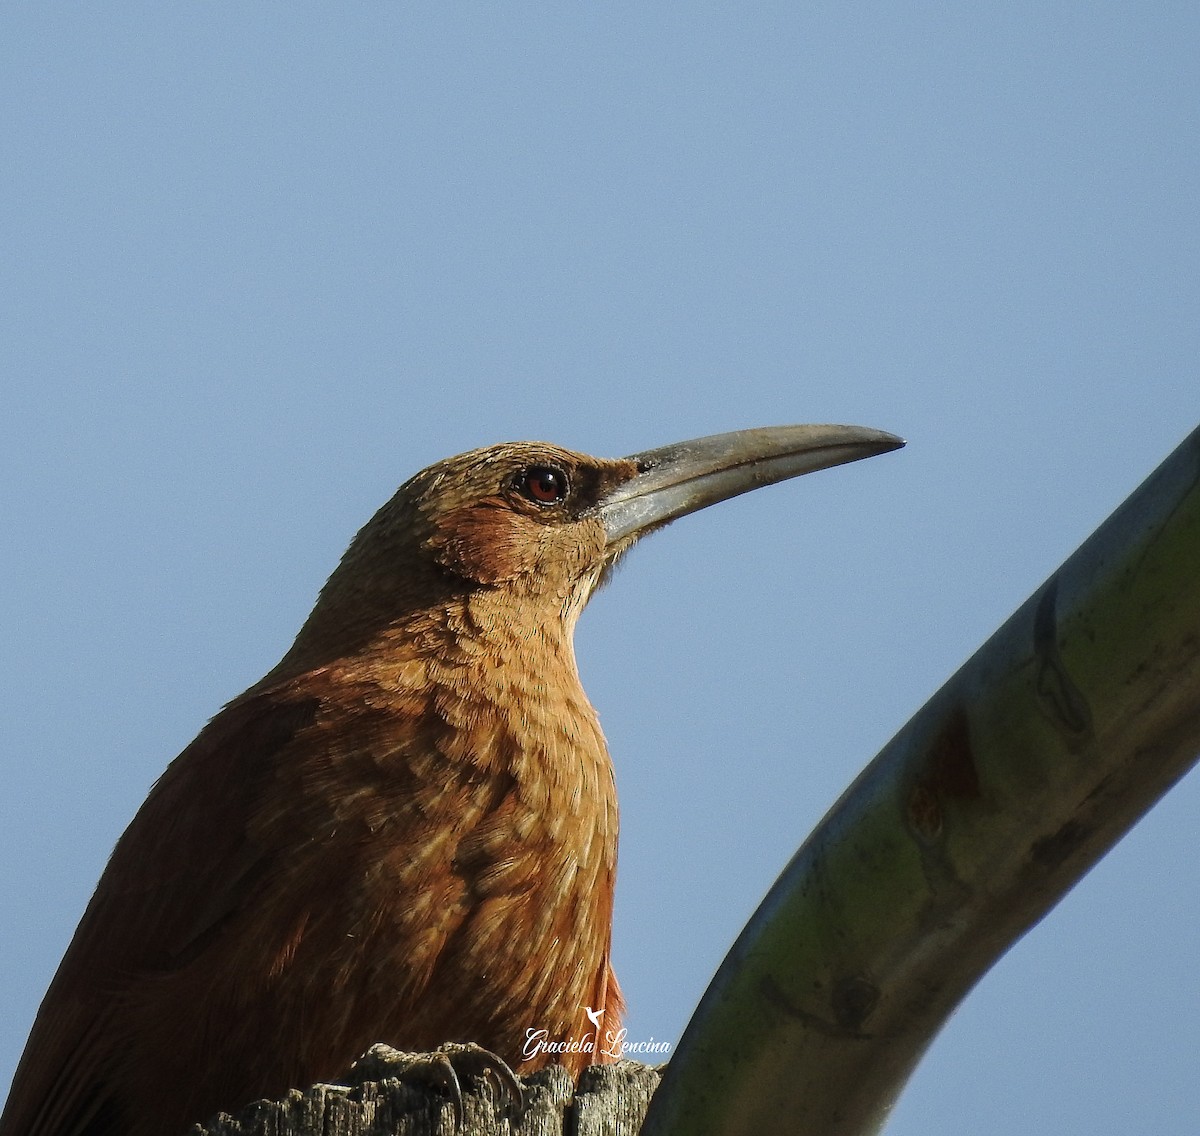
x=261, y=262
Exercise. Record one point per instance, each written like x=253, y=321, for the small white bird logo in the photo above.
x=594, y=1016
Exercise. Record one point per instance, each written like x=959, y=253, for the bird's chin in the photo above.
x=588, y=585
x=615, y=553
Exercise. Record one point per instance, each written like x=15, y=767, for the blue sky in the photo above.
x=263, y=262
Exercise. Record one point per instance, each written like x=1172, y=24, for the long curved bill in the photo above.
x=679, y=479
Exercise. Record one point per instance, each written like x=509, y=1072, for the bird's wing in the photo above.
x=188, y=840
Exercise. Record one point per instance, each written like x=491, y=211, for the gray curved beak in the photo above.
x=679, y=479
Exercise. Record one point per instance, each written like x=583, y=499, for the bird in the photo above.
x=407, y=830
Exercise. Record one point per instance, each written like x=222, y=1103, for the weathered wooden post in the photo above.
x=610, y=1099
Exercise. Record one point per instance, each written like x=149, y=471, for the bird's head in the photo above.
x=545, y=525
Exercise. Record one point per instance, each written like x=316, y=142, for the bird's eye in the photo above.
x=543, y=484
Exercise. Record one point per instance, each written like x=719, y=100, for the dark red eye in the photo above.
x=543, y=484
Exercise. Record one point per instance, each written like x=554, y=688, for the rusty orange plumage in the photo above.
x=407, y=831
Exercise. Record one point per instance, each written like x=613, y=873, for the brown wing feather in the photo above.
x=144, y=918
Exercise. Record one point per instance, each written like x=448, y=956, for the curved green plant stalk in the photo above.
x=1003, y=790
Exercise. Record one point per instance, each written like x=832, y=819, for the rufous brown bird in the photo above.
x=407, y=831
